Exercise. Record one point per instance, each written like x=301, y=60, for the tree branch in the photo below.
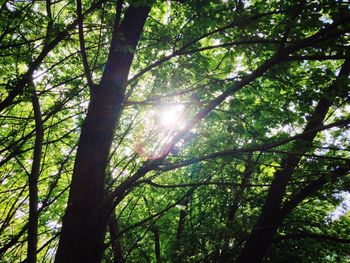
x=86, y=66
x=319, y=237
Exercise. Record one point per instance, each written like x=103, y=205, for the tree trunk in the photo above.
x=233, y=207
x=155, y=231
x=115, y=240
x=266, y=227
x=33, y=182
x=85, y=221
x=180, y=229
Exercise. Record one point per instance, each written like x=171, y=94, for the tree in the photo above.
x=183, y=131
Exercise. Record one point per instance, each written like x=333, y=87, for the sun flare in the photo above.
x=171, y=116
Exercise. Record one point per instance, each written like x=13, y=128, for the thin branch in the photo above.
x=318, y=57
x=256, y=148
x=86, y=66
x=182, y=51
x=313, y=187
x=319, y=237
x=197, y=184
x=27, y=77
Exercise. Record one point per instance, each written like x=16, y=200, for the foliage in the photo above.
x=236, y=122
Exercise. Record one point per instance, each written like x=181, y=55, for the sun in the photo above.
x=159, y=126
x=171, y=116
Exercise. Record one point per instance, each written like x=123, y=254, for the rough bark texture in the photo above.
x=266, y=227
x=85, y=222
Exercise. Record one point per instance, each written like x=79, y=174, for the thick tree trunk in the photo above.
x=85, y=221
x=270, y=218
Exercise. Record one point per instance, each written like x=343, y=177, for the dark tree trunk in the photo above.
x=155, y=231
x=270, y=218
x=33, y=182
x=180, y=229
x=115, y=240
x=232, y=209
x=85, y=221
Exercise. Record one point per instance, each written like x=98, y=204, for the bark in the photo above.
x=85, y=220
x=234, y=205
x=33, y=182
x=269, y=220
x=115, y=240
x=181, y=227
x=155, y=231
